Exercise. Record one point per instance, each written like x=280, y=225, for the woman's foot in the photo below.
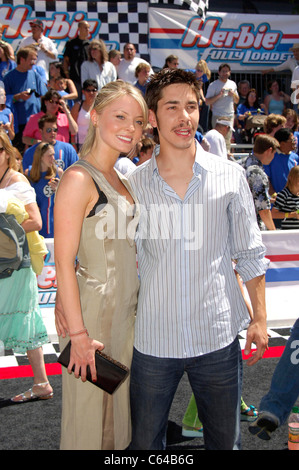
x=42, y=391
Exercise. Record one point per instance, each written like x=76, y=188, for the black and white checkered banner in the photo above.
x=115, y=22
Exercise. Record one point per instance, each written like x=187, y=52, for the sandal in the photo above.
x=249, y=414
x=30, y=395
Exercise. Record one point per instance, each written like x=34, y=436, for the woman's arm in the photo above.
x=68, y=224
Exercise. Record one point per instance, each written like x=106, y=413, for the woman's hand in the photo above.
x=83, y=350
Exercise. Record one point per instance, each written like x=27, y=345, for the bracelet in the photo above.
x=286, y=215
x=81, y=332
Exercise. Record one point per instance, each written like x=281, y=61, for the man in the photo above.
x=284, y=159
x=76, y=52
x=127, y=66
x=216, y=137
x=243, y=89
x=197, y=215
x=47, y=51
x=263, y=153
x=290, y=64
x=222, y=95
x=24, y=87
x=65, y=154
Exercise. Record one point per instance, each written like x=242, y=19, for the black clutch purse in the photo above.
x=110, y=373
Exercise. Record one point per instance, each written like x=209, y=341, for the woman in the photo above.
x=44, y=178
x=81, y=110
x=56, y=70
x=6, y=116
x=6, y=62
x=21, y=325
x=275, y=102
x=52, y=105
x=171, y=62
x=98, y=66
x=100, y=299
x=250, y=106
x=203, y=75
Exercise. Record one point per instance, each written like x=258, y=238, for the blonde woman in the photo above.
x=203, y=75
x=44, y=177
x=21, y=325
x=95, y=217
x=98, y=66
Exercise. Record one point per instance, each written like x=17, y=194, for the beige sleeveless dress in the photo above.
x=108, y=285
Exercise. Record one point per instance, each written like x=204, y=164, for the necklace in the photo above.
x=2, y=177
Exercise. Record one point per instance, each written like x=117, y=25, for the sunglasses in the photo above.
x=91, y=90
x=51, y=129
x=53, y=102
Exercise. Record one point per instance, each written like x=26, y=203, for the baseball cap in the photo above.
x=37, y=22
x=225, y=123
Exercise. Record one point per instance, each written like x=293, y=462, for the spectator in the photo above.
x=171, y=62
x=81, y=110
x=114, y=57
x=276, y=100
x=45, y=46
x=24, y=87
x=249, y=107
x=222, y=95
x=216, y=137
x=243, y=89
x=263, y=153
x=285, y=158
x=203, y=75
x=56, y=70
x=98, y=66
x=292, y=123
x=145, y=151
x=44, y=178
x=76, y=52
x=52, y=105
x=6, y=63
x=60, y=86
x=286, y=204
x=290, y=64
x=273, y=123
x=65, y=154
x=127, y=66
x=142, y=74
x=6, y=116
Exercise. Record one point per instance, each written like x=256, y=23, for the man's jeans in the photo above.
x=284, y=389
x=215, y=382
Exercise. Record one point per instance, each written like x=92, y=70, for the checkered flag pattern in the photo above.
x=121, y=22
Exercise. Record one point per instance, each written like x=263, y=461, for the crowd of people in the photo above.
x=98, y=132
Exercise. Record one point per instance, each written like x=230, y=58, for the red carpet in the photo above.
x=55, y=368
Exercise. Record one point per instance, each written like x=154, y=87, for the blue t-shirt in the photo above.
x=65, y=155
x=5, y=115
x=16, y=82
x=6, y=66
x=45, y=200
x=279, y=169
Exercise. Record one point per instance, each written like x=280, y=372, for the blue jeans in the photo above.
x=215, y=382
x=284, y=388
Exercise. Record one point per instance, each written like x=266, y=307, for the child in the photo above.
x=286, y=206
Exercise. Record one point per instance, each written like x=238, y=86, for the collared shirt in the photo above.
x=189, y=301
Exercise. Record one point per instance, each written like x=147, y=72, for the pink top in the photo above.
x=32, y=130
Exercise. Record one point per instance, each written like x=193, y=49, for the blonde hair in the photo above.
x=293, y=177
x=6, y=144
x=35, y=172
x=108, y=94
x=203, y=66
x=101, y=46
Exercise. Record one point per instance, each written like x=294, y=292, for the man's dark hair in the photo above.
x=46, y=118
x=282, y=135
x=165, y=78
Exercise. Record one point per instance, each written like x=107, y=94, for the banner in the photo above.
x=282, y=276
x=245, y=41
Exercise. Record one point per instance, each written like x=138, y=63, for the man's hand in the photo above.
x=257, y=334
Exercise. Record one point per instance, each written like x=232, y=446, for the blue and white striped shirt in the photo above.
x=189, y=301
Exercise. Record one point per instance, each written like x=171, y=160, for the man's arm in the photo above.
x=257, y=330
x=266, y=217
